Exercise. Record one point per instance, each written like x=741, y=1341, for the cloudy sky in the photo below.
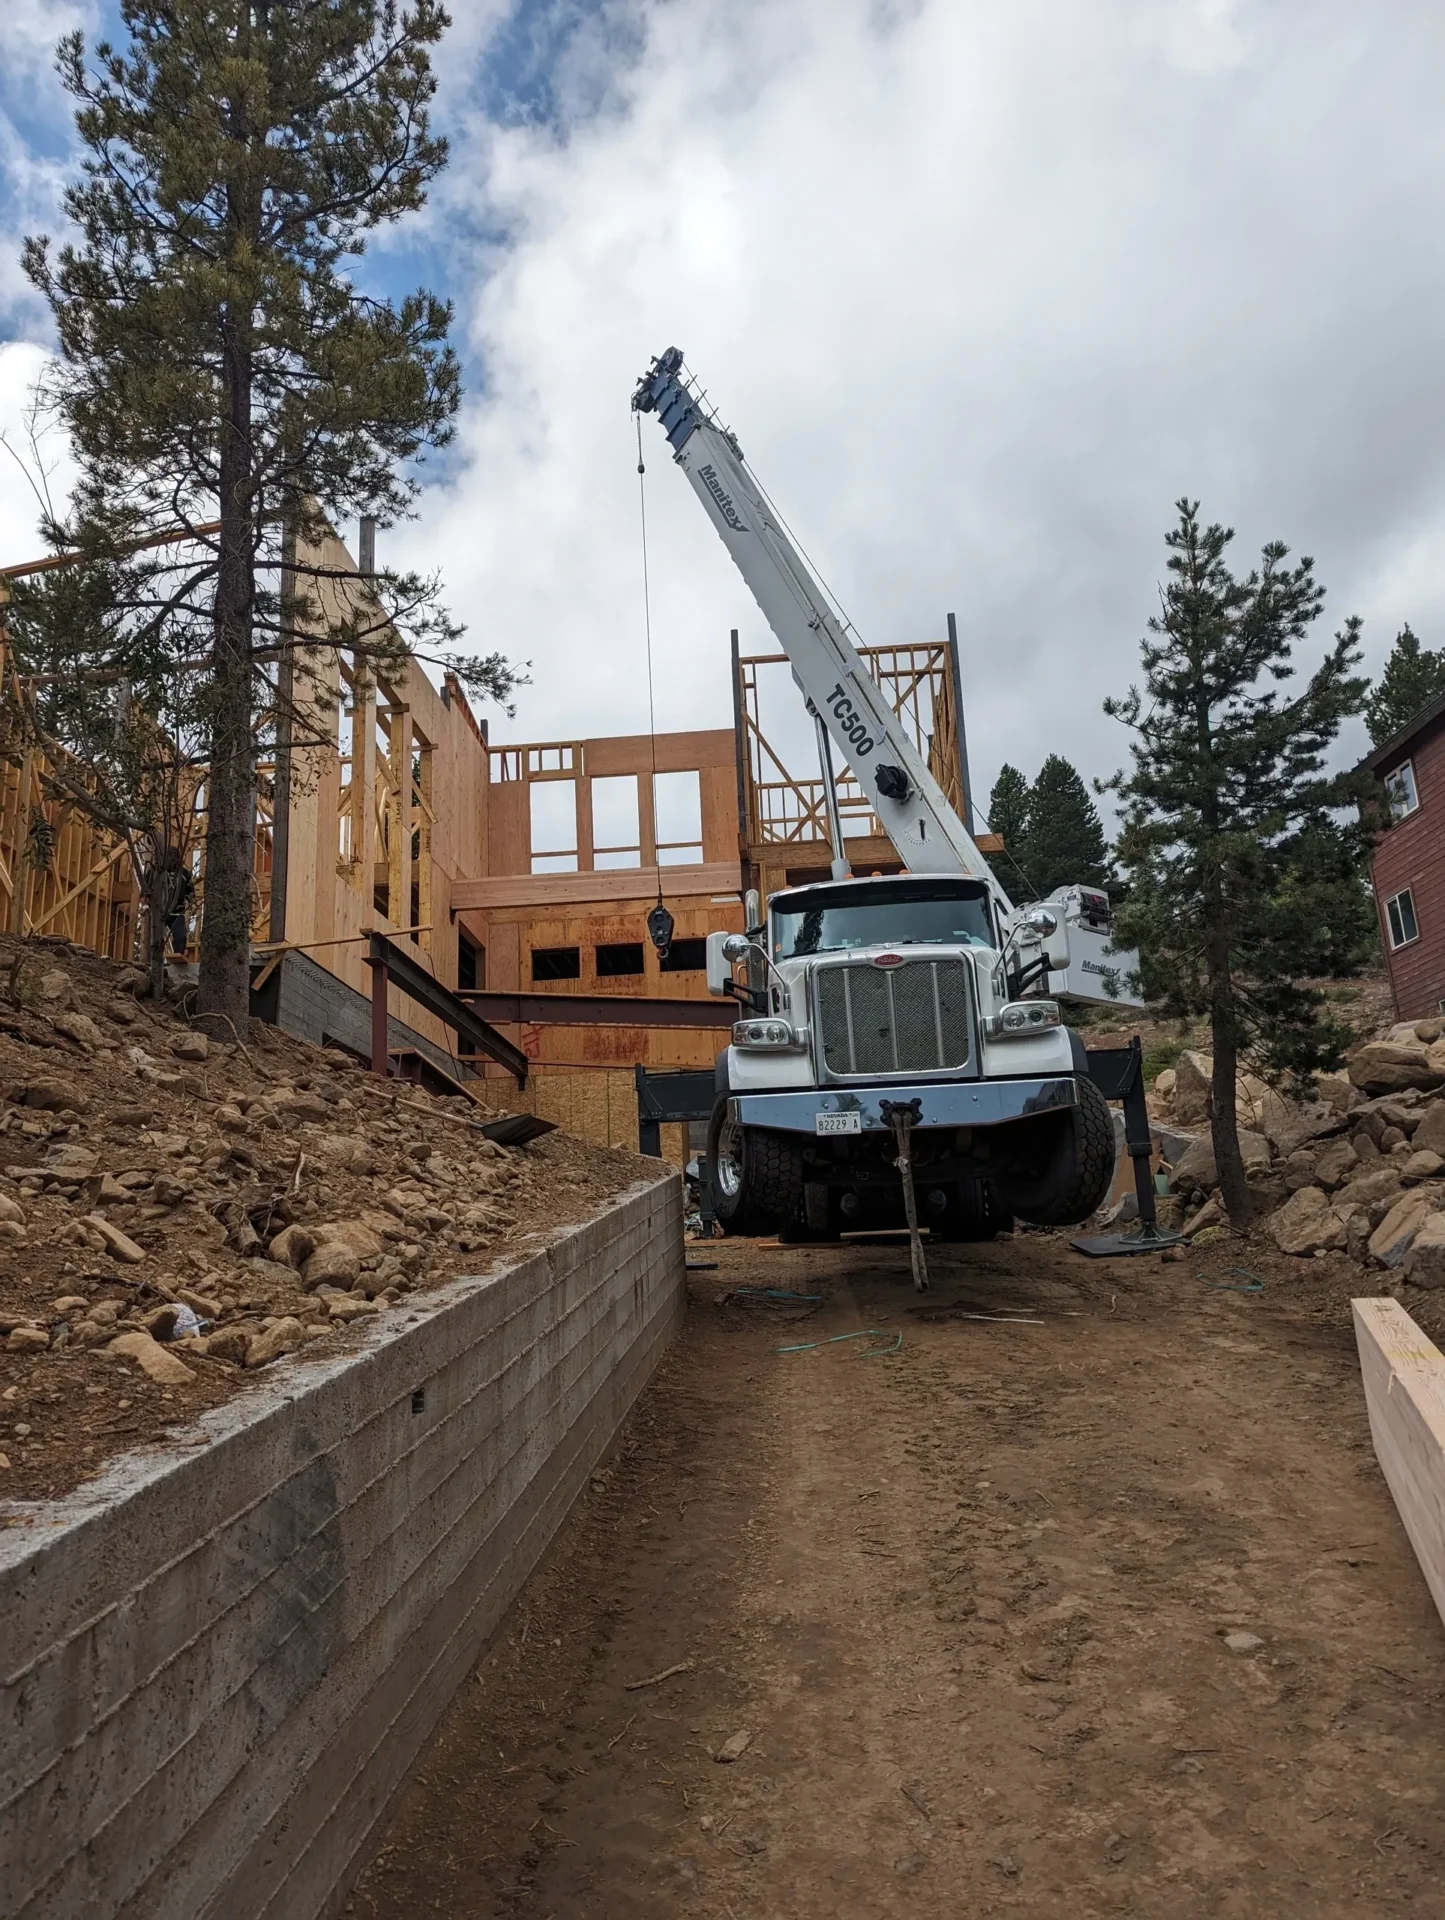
x=983, y=287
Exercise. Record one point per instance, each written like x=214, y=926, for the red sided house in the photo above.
x=1408, y=871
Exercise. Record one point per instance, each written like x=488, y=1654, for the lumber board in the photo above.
x=1404, y=1379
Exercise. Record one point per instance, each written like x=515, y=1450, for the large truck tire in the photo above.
x=1080, y=1172
x=757, y=1176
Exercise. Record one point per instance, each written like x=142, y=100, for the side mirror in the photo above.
x=752, y=909
x=722, y=950
x=1042, y=921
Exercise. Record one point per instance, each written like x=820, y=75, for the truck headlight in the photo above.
x=768, y=1033
x=1020, y=1018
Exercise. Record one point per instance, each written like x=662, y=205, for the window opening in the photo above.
x=553, y=806
x=1400, y=912
x=616, y=828
x=686, y=956
x=621, y=958
x=677, y=809
x=556, y=963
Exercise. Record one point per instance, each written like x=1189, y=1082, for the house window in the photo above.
x=1400, y=786
x=616, y=961
x=556, y=963
x=1400, y=912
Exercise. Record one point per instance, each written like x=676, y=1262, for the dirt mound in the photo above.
x=177, y=1212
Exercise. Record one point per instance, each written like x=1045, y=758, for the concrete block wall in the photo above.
x=220, y=1659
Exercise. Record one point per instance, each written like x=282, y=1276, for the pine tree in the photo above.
x=1064, y=844
x=1223, y=809
x=219, y=362
x=1008, y=817
x=114, y=699
x=1413, y=677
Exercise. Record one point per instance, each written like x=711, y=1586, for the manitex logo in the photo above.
x=724, y=499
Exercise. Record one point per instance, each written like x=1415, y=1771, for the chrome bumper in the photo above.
x=965, y=1103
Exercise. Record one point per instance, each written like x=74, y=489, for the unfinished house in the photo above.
x=519, y=877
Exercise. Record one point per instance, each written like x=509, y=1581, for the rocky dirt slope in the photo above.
x=1358, y=1169
x=177, y=1213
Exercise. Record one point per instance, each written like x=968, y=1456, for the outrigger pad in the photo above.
x=516, y=1129
x=1107, y=1246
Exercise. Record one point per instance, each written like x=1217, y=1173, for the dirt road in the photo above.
x=1110, y=1614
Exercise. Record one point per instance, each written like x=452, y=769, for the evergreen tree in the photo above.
x=1064, y=844
x=1223, y=809
x=1413, y=677
x=114, y=699
x=1008, y=815
x=220, y=366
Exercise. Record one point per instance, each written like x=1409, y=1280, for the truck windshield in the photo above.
x=916, y=913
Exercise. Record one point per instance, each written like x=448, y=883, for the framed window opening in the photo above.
x=556, y=963
x=1400, y=787
x=1400, y=919
x=620, y=960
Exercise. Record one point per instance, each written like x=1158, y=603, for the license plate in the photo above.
x=837, y=1123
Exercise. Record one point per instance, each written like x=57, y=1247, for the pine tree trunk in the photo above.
x=1223, y=1117
x=157, y=895
x=225, y=988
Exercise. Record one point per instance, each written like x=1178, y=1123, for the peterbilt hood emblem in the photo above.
x=888, y=959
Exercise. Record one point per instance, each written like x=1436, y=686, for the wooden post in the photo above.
x=582, y=787
x=281, y=781
x=19, y=872
x=380, y=1033
x=399, y=821
x=647, y=818
x=958, y=727
x=363, y=782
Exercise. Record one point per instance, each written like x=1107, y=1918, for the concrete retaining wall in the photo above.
x=221, y=1659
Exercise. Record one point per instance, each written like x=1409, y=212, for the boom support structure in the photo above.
x=908, y=801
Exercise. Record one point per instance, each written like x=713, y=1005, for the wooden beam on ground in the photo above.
x=1404, y=1377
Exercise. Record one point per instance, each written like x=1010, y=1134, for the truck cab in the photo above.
x=864, y=997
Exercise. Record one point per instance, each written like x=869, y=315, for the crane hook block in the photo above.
x=893, y=782
x=659, y=926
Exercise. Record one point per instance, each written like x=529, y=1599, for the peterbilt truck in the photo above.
x=901, y=1052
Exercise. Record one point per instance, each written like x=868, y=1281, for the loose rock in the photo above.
x=1395, y=1235
x=152, y=1359
x=1307, y=1224
x=1385, y=1066
x=282, y=1336
x=1424, y=1264
x=118, y=1243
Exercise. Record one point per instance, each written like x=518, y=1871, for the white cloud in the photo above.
x=982, y=290
x=32, y=104
x=27, y=469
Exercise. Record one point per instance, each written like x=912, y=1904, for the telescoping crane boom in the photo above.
x=898, y=1061
x=1078, y=962
x=909, y=803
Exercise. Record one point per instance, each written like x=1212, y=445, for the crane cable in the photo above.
x=659, y=921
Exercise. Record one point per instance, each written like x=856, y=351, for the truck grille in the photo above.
x=907, y=1019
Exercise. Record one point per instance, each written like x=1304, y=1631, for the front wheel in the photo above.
x=757, y=1176
x=1079, y=1170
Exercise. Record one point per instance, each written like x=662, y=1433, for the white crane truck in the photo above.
x=903, y=1054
